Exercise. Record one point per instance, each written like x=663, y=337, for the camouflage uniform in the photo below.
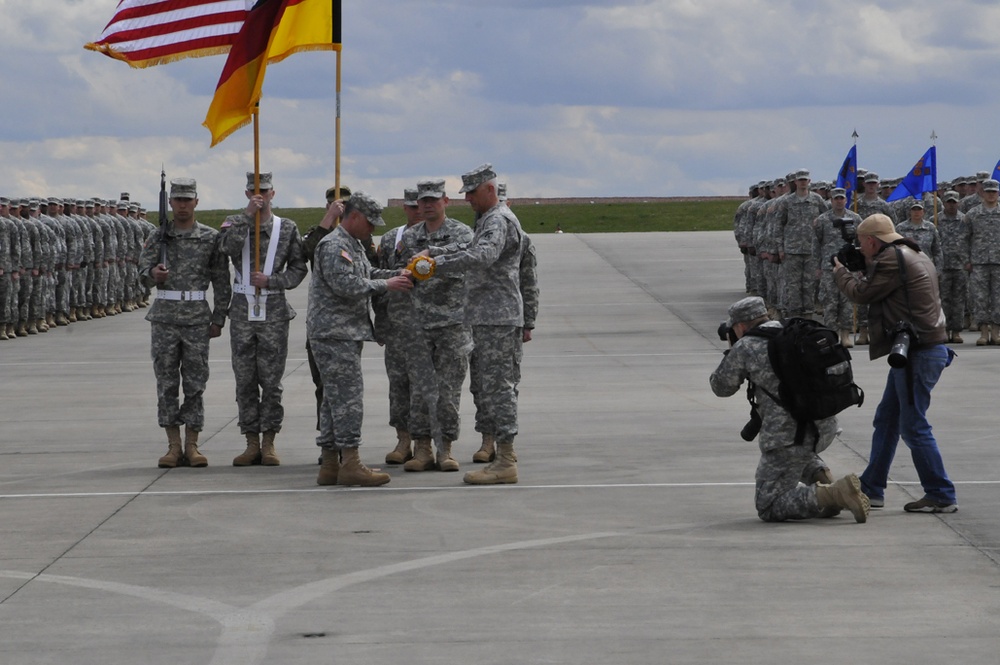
x=260, y=348
x=794, y=231
x=838, y=311
x=391, y=309
x=927, y=237
x=338, y=324
x=180, y=318
x=495, y=310
x=438, y=341
x=956, y=246
x=984, y=224
x=783, y=465
x=9, y=244
x=866, y=207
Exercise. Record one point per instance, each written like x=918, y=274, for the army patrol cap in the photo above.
x=502, y=191
x=122, y=205
x=54, y=200
x=368, y=207
x=838, y=193
x=477, y=177
x=982, y=176
x=4, y=201
x=89, y=204
x=331, y=193
x=183, y=188
x=917, y=204
x=410, y=197
x=265, y=181
x=951, y=195
x=990, y=185
x=880, y=226
x=750, y=308
x=133, y=207
x=430, y=189
x=802, y=174
x=33, y=204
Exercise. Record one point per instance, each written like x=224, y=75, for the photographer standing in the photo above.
x=901, y=286
x=793, y=483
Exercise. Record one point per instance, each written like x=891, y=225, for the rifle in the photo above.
x=164, y=223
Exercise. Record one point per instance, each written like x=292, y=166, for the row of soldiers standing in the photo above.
x=68, y=260
x=790, y=227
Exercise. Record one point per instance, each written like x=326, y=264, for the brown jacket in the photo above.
x=882, y=289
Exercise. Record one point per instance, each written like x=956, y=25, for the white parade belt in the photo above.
x=180, y=295
x=249, y=289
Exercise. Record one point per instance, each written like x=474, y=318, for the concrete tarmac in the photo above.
x=630, y=538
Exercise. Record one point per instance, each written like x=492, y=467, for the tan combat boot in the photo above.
x=72, y=315
x=487, y=452
x=984, y=335
x=11, y=333
x=845, y=339
x=267, y=455
x=862, y=336
x=501, y=470
x=845, y=493
x=3, y=331
x=353, y=472
x=173, y=456
x=956, y=337
x=191, y=454
x=33, y=328
x=402, y=453
x=329, y=468
x=823, y=476
x=252, y=454
x=994, y=334
x=423, y=456
x=62, y=320
x=22, y=328
x=445, y=462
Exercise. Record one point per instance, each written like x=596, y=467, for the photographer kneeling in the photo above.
x=901, y=286
x=792, y=481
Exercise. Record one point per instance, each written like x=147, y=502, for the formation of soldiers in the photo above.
x=790, y=227
x=68, y=260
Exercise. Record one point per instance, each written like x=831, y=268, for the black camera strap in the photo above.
x=909, y=310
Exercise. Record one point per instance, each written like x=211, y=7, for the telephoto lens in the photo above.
x=900, y=349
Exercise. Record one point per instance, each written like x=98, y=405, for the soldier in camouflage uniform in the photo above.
x=956, y=246
x=495, y=310
x=834, y=229
x=436, y=340
x=8, y=242
x=391, y=313
x=975, y=195
x=181, y=321
x=740, y=228
x=259, y=315
x=338, y=324
x=795, y=243
x=793, y=482
x=309, y=241
x=984, y=222
x=924, y=233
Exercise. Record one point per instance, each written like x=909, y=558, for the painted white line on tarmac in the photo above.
x=456, y=488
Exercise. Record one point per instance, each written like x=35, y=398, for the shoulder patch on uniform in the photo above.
x=344, y=253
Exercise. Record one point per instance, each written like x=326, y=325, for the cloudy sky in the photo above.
x=564, y=97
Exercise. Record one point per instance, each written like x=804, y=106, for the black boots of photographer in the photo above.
x=845, y=493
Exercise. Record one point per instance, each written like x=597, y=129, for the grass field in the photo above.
x=708, y=215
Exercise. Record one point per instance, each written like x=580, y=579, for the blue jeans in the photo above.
x=896, y=417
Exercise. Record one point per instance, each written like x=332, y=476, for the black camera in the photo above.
x=851, y=257
x=752, y=428
x=726, y=333
x=903, y=336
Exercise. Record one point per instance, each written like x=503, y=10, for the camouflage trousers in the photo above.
x=771, y=283
x=781, y=493
x=79, y=296
x=494, y=373
x=798, y=285
x=180, y=359
x=6, y=286
x=64, y=283
x=838, y=311
x=437, y=359
x=396, y=340
x=756, y=275
x=954, y=291
x=259, y=352
x=985, y=288
x=99, y=285
x=342, y=413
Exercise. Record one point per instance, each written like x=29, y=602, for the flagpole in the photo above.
x=934, y=143
x=854, y=197
x=336, y=181
x=256, y=191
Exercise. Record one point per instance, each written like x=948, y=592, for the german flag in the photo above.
x=274, y=29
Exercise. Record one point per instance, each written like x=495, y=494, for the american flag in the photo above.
x=144, y=33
